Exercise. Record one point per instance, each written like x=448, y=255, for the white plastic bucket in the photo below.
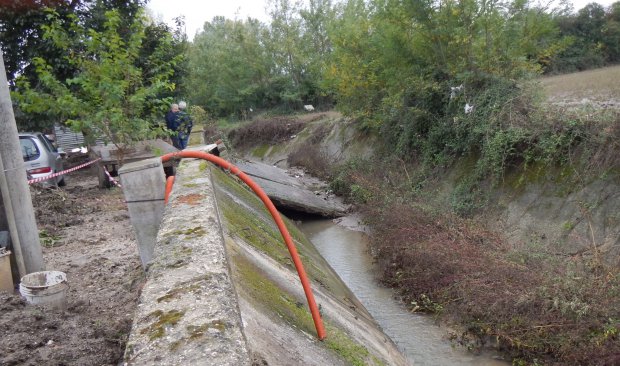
x=47, y=288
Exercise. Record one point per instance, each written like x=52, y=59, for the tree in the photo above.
x=316, y=50
x=230, y=67
x=22, y=40
x=21, y=33
x=611, y=33
x=592, y=36
x=284, y=47
x=109, y=96
x=164, y=45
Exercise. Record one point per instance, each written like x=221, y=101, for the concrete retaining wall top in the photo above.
x=188, y=312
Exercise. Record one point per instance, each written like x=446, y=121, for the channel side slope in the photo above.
x=276, y=321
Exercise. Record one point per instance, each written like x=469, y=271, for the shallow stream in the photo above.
x=345, y=247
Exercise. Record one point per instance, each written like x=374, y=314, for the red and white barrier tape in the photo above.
x=37, y=180
x=114, y=181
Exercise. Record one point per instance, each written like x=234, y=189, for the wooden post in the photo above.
x=14, y=186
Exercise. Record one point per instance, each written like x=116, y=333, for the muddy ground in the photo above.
x=85, y=233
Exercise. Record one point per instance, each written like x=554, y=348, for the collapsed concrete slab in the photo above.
x=292, y=193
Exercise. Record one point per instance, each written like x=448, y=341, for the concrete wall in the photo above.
x=188, y=312
x=221, y=288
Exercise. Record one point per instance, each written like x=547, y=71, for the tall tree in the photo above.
x=611, y=33
x=284, y=48
x=230, y=67
x=316, y=49
x=109, y=96
x=21, y=35
x=22, y=38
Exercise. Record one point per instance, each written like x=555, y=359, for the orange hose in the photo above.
x=316, y=316
x=169, y=184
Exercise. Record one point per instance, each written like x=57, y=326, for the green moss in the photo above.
x=156, y=151
x=277, y=301
x=176, y=344
x=198, y=331
x=161, y=320
x=568, y=226
x=203, y=165
x=181, y=251
x=271, y=297
x=246, y=217
x=260, y=151
x=177, y=256
x=184, y=287
x=345, y=347
x=190, y=185
x=233, y=185
x=521, y=176
x=253, y=230
x=303, y=133
x=193, y=232
x=176, y=264
x=276, y=149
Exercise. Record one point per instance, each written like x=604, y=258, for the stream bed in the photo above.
x=345, y=247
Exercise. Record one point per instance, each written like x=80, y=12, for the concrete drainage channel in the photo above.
x=221, y=288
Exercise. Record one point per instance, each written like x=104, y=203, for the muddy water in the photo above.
x=417, y=336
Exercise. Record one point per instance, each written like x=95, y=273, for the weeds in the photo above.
x=272, y=131
x=508, y=128
x=540, y=308
x=48, y=240
x=312, y=158
x=310, y=154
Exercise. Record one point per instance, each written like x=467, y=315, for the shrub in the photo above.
x=539, y=307
x=310, y=155
x=262, y=131
x=312, y=159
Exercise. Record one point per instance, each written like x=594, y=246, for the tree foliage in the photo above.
x=230, y=68
x=109, y=96
x=23, y=40
x=243, y=65
x=21, y=33
x=593, y=38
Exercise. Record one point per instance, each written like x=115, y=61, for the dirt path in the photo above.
x=86, y=234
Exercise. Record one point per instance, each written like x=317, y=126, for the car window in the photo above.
x=30, y=151
x=47, y=143
x=50, y=143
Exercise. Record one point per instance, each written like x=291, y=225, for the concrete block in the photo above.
x=144, y=184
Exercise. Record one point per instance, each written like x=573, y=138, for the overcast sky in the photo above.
x=197, y=12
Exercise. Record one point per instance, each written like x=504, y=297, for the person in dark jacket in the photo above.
x=185, y=125
x=172, y=123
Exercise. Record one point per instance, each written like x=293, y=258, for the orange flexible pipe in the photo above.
x=314, y=310
x=169, y=184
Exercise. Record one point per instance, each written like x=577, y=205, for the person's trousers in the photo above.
x=176, y=142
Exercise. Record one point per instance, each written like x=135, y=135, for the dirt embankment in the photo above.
x=535, y=273
x=85, y=233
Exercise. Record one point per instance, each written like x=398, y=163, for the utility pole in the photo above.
x=14, y=187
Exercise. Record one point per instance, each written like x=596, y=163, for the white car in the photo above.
x=41, y=157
